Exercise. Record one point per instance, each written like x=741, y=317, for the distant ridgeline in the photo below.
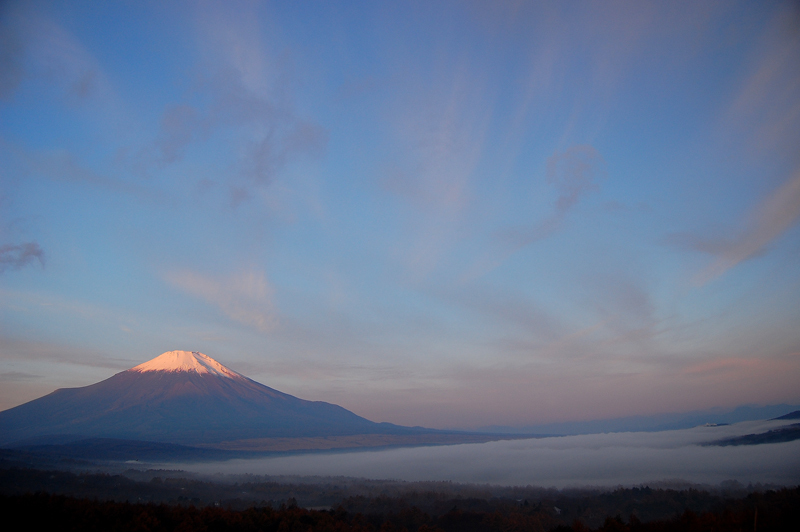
x=790, y=415
x=188, y=398
x=658, y=422
x=778, y=435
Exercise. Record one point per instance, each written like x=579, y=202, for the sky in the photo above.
x=447, y=214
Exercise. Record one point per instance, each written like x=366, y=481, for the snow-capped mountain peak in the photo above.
x=181, y=397
x=195, y=361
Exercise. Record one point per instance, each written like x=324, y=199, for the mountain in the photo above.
x=181, y=397
x=654, y=423
x=790, y=415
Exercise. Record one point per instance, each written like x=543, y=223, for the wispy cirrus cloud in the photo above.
x=512, y=311
x=13, y=349
x=446, y=177
x=572, y=174
x=11, y=59
x=742, y=372
x=242, y=92
x=63, y=165
x=35, y=46
x=439, y=131
x=246, y=297
x=16, y=376
x=765, y=105
x=767, y=221
x=760, y=124
x=16, y=256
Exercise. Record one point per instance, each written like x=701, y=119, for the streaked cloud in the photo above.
x=508, y=309
x=39, y=47
x=11, y=58
x=15, y=376
x=764, y=108
x=437, y=133
x=571, y=174
x=473, y=174
x=767, y=221
x=43, y=354
x=63, y=165
x=16, y=256
x=241, y=102
x=245, y=297
x=740, y=368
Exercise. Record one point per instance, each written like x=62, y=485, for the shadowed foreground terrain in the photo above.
x=139, y=500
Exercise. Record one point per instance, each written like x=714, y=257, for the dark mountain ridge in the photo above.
x=790, y=415
x=202, y=403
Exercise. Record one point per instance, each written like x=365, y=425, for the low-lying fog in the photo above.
x=629, y=458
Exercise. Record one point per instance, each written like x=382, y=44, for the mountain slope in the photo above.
x=181, y=397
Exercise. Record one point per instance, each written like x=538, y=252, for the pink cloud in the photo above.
x=246, y=297
x=768, y=220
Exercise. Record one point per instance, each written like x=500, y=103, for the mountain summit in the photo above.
x=181, y=397
x=187, y=361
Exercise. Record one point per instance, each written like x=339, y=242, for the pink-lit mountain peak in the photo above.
x=181, y=397
x=190, y=361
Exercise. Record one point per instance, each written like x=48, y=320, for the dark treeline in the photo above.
x=773, y=510
x=168, y=500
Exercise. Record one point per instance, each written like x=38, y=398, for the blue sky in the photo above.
x=449, y=214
